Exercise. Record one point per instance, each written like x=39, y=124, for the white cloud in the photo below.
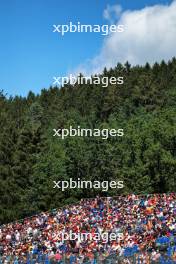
x=112, y=13
x=149, y=36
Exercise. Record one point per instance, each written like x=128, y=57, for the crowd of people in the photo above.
x=136, y=222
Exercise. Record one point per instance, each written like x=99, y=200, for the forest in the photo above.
x=144, y=158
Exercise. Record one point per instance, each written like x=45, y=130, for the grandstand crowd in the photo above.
x=144, y=224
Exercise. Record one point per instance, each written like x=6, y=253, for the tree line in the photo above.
x=144, y=158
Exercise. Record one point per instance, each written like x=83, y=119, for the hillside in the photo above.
x=144, y=158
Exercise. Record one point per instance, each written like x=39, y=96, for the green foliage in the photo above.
x=144, y=158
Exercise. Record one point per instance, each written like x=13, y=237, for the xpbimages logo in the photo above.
x=104, y=236
x=83, y=80
x=87, y=132
x=80, y=28
x=82, y=184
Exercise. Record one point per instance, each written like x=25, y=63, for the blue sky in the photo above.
x=31, y=54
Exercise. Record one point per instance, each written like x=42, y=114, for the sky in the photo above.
x=31, y=54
